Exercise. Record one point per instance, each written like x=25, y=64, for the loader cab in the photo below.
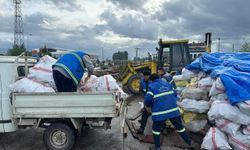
x=11, y=69
x=173, y=55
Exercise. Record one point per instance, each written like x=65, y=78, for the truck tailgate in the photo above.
x=63, y=105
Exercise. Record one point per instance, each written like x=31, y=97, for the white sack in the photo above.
x=217, y=88
x=239, y=141
x=215, y=139
x=102, y=84
x=42, y=71
x=245, y=107
x=107, y=83
x=179, y=90
x=194, y=105
x=26, y=85
x=194, y=93
x=121, y=94
x=90, y=85
x=201, y=75
x=196, y=125
x=227, y=126
x=185, y=75
x=246, y=130
x=205, y=83
x=219, y=97
x=222, y=109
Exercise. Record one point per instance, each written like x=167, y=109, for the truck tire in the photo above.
x=59, y=136
x=134, y=83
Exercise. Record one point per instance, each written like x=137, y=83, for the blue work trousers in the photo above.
x=176, y=121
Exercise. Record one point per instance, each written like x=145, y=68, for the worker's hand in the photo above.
x=86, y=79
x=82, y=82
x=148, y=109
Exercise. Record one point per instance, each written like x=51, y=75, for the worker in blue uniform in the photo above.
x=69, y=69
x=166, y=76
x=144, y=83
x=162, y=100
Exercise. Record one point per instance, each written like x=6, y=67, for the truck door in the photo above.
x=179, y=56
x=1, y=102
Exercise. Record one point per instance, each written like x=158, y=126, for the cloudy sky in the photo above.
x=114, y=25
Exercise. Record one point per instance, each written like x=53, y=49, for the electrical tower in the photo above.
x=18, y=25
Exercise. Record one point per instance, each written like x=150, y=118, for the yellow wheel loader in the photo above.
x=172, y=55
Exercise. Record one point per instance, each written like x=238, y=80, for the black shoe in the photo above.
x=154, y=148
x=140, y=131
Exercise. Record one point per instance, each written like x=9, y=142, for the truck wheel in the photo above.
x=59, y=136
x=134, y=83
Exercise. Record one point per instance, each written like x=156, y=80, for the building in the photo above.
x=196, y=49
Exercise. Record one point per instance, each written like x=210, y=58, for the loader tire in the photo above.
x=59, y=136
x=134, y=83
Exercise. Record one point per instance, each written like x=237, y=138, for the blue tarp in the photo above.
x=233, y=70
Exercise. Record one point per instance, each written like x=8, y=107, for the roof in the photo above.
x=172, y=41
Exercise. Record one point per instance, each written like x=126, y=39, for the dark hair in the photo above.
x=154, y=76
x=146, y=72
x=162, y=69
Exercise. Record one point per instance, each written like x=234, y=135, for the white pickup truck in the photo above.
x=61, y=114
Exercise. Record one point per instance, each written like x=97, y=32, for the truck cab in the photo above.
x=11, y=69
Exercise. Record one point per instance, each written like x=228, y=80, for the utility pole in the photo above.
x=136, y=53
x=27, y=43
x=18, y=25
x=218, y=44
x=102, y=55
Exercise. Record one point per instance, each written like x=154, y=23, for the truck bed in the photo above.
x=63, y=105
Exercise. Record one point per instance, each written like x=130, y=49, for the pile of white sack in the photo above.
x=39, y=79
x=201, y=94
x=105, y=83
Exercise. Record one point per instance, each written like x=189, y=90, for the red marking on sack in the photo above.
x=213, y=139
x=246, y=103
x=38, y=82
x=247, y=129
x=219, y=89
x=226, y=122
x=107, y=83
x=204, y=86
x=220, y=102
x=239, y=143
x=41, y=69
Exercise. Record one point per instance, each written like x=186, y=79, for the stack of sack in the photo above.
x=39, y=79
x=182, y=80
x=222, y=93
x=194, y=99
x=105, y=83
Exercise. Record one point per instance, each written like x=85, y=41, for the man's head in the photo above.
x=146, y=75
x=154, y=76
x=161, y=71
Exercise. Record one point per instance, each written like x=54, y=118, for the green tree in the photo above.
x=16, y=50
x=245, y=47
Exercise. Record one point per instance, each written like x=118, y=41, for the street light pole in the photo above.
x=28, y=41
